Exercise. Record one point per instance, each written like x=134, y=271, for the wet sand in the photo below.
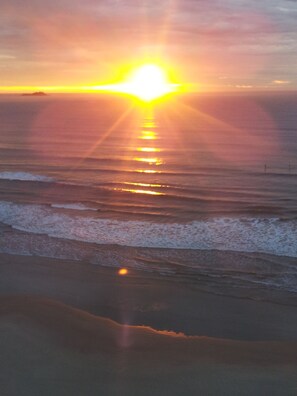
x=71, y=328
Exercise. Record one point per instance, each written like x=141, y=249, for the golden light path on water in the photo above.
x=139, y=191
x=147, y=132
x=148, y=135
x=144, y=184
x=148, y=149
x=147, y=83
x=156, y=161
x=147, y=171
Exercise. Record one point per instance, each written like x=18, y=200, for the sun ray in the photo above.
x=101, y=139
x=148, y=82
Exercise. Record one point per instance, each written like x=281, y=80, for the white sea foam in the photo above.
x=73, y=206
x=248, y=235
x=24, y=176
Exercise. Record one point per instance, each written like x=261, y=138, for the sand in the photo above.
x=70, y=328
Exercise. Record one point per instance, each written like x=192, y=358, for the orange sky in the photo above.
x=214, y=45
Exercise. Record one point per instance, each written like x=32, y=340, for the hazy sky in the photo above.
x=216, y=44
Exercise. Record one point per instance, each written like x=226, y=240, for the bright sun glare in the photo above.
x=147, y=83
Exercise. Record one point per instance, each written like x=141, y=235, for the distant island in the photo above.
x=39, y=93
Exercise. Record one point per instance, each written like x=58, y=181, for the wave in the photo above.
x=72, y=206
x=224, y=272
x=266, y=235
x=25, y=176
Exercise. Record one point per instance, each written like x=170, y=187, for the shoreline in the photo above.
x=252, y=275
x=82, y=332
x=73, y=328
x=51, y=348
x=150, y=299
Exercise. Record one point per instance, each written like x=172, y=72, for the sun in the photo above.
x=148, y=82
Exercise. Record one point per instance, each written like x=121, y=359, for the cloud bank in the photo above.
x=224, y=44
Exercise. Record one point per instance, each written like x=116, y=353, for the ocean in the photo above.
x=104, y=179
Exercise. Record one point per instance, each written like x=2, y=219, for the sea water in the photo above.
x=192, y=172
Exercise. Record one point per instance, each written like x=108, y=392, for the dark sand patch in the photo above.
x=49, y=348
x=83, y=332
x=147, y=299
x=66, y=328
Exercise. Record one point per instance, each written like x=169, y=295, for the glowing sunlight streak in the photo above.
x=103, y=137
x=144, y=184
x=147, y=171
x=148, y=135
x=147, y=83
x=238, y=135
x=149, y=123
x=151, y=161
x=139, y=191
x=149, y=149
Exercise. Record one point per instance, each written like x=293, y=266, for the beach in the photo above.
x=75, y=328
x=193, y=200
x=148, y=211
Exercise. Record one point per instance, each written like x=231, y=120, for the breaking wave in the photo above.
x=266, y=235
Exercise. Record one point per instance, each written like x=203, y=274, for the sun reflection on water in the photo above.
x=144, y=184
x=147, y=171
x=155, y=161
x=149, y=149
x=139, y=191
x=149, y=122
x=148, y=135
x=148, y=132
